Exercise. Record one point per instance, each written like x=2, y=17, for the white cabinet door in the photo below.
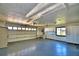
x=3, y=37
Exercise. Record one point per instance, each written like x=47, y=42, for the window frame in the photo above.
x=60, y=28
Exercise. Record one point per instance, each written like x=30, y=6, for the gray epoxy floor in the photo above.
x=40, y=48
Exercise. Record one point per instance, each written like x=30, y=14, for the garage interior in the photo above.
x=39, y=29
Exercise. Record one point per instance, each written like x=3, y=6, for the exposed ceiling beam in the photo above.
x=49, y=9
x=16, y=20
x=37, y=8
x=37, y=16
x=34, y=17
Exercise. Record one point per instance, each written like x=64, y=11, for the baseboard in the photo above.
x=63, y=41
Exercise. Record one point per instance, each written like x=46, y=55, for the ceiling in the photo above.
x=71, y=14
x=16, y=9
x=20, y=10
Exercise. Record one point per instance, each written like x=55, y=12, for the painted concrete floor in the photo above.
x=40, y=48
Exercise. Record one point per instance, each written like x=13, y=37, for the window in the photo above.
x=61, y=31
x=29, y=28
x=34, y=29
x=23, y=28
x=14, y=28
x=26, y=28
x=19, y=28
x=10, y=28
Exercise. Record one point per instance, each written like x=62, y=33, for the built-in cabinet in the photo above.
x=3, y=37
x=20, y=35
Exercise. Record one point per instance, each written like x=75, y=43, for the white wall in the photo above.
x=72, y=35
